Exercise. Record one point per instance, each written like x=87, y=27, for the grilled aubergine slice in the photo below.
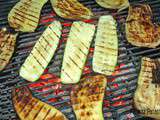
x=42, y=53
x=25, y=15
x=87, y=98
x=71, y=9
x=147, y=95
x=30, y=108
x=114, y=4
x=106, y=46
x=7, y=46
x=76, y=51
x=140, y=30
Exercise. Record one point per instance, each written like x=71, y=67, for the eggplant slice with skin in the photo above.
x=30, y=108
x=106, y=46
x=76, y=51
x=147, y=95
x=87, y=98
x=140, y=30
x=42, y=53
x=71, y=9
x=25, y=15
x=7, y=46
x=114, y=4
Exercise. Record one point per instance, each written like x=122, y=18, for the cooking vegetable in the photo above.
x=106, y=46
x=30, y=108
x=25, y=15
x=114, y=4
x=42, y=53
x=140, y=30
x=71, y=9
x=76, y=51
x=147, y=95
x=87, y=98
x=7, y=46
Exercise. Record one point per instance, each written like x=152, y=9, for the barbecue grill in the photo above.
x=118, y=100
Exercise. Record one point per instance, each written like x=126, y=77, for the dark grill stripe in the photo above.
x=41, y=54
x=54, y=32
x=37, y=61
x=29, y=4
x=100, y=51
x=74, y=62
x=47, y=113
x=23, y=103
x=111, y=49
x=21, y=22
x=67, y=74
x=32, y=104
x=44, y=47
x=24, y=15
x=38, y=112
x=46, y=40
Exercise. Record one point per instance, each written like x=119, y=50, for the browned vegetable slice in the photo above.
x=140, y=30
x=25, y=15
x=147, y=95
x=71, y=9
x=30, y=108
x=87, y=98
x=7, y=46
x=114, y=4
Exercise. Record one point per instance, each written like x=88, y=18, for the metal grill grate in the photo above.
x=118, y=102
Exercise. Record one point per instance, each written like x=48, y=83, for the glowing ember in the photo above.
x=119, y=103
x=66, y=24
x=106, y=103
x=52, y=100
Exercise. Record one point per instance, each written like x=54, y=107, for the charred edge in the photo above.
x=47, y=113
x=38, y=61
x=38, y=112
x=67, y=75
